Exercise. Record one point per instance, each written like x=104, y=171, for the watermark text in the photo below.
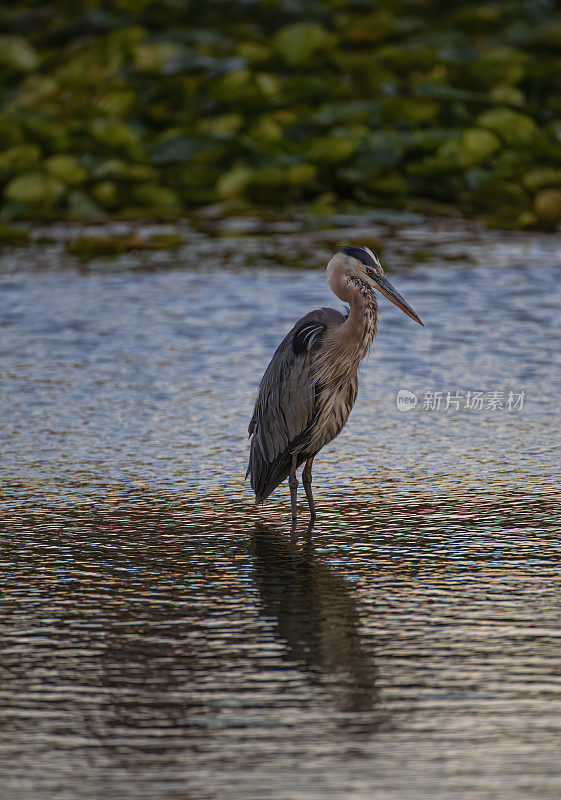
x=457, y=400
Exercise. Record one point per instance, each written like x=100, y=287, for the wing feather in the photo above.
x=286, y=402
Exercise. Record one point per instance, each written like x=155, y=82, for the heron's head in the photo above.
x=362, y=264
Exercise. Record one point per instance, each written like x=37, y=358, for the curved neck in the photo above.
x=360, y=327
x=346, y=345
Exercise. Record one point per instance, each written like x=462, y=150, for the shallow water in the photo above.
x=163, y=638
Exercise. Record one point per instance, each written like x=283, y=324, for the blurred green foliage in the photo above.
x=144, y=108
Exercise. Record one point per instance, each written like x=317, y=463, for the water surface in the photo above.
x=162, y=638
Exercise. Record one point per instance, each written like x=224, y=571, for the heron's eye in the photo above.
x=370, y=272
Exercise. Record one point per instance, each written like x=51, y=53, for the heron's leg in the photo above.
x=293, y=534
x=307, y=481
x=293, y=483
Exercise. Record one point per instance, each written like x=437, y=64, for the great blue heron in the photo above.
x=309, y=388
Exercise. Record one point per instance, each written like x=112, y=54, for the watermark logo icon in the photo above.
x=406, y=400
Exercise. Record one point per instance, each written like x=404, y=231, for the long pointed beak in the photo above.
x=384, y=286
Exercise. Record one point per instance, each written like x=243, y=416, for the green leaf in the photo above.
x=547, y=205
x=178, y=149
x=513, y=127
x=19, y=159
x=67, y=168
x=299, y=42
x=541, y=177
x=17, y=53
x=34, y=187
x=115, y=133
x=81, y=206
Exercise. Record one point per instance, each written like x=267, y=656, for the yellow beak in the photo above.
x=383, y=285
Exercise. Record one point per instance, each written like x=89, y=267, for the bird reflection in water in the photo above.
x=316, y=618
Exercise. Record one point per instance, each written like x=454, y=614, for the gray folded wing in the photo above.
x=286, y=402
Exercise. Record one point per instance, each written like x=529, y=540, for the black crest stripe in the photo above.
x=360, y=254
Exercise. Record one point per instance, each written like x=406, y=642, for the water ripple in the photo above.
x=164, y=638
